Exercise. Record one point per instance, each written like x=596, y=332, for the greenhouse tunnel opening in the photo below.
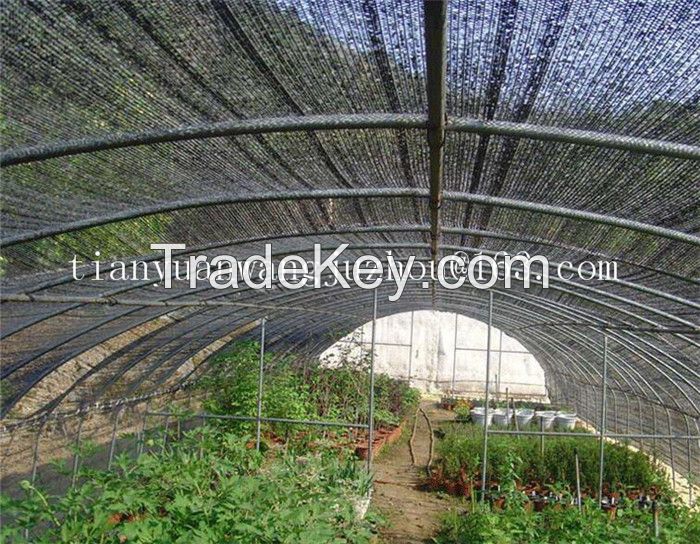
x=429, y=349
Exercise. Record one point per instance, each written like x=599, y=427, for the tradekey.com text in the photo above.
x=330, y=268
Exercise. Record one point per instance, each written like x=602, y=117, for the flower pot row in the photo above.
x=524, y=417
x=382, y=436
x=537, y=494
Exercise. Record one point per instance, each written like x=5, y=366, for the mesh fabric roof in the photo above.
x=572, y=131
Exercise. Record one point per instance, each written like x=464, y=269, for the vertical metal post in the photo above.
x=261, y=371
x=454, y=358
x=486, y=399
x=200, y=449
x=370, y=412
x=690, y=463
x=653, y=432
x=655, y=512
x=410, y=351
x=142, y=433
x=113, y=439
x=35, y=455
x=76, y=455
x=541, y=436
x=500, y=376
x=670, y=448
x=507, y=410
x=165, y=434
x=627, y=406
x=35, y=461
x=642, y=427
x=603, y=415
x=435, y=25
x=578, y=482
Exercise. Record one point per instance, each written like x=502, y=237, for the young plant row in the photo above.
x=212, y=485
x=303, y=389
x=531, y=496
x=460, y=454
x=209, y=487
x=516, y=524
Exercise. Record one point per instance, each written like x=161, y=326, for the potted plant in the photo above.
x=462, y=412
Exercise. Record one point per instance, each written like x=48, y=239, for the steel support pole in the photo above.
x=454, y=358
x=500, y=375
x=166, y=426
x=410, y=351
x=690, y=463
x=370, y=412
x=507, y=409
x=113, y=439
x=35, y=461
x=35, y=454
x=261, y=372
x=653, y=432
x=436, y=68
x=541, y=436
x=76, y=453
x=486, y=399
x=670, y=449
x=603, y=415
x=142, y=433
x=642, y=427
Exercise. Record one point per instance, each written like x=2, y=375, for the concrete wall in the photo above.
x=434, y=354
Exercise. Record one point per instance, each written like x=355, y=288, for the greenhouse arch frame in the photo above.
x=423, y=169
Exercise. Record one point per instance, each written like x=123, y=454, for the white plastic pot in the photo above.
x=479, y=416
x=502, y=417
x=546, y=419
x=524, y=417
x=565, y=421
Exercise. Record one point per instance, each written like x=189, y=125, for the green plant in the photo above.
x=209, y=487
x=302, y=389
x=462, y=412
x=517, y=525
x=518, y=458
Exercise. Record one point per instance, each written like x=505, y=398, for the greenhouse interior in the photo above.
x=507, y=351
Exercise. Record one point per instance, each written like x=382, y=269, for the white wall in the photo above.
x=433, y=354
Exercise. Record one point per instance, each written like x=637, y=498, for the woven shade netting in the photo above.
x=326, y=103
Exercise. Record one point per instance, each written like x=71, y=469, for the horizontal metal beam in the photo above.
x=239, y=127
x=575, y=136
x=629, y=328
x=570, y=213
x=108, y=301
x=379, y=192
x=264, y=419
x=596, y=435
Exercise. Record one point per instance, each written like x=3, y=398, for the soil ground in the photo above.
x=413, y=515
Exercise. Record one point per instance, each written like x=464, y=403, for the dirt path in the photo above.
x=413, y=515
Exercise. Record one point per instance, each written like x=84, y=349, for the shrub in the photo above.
x=462, y=448
x=207, y=488
x=516, y=525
